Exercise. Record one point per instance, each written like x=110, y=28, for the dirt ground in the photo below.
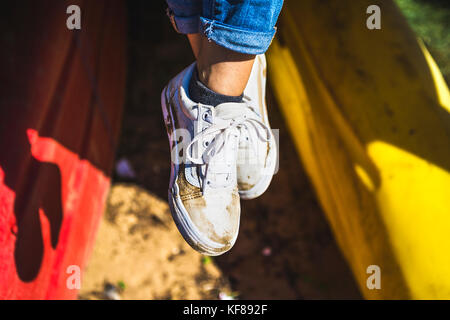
x=285, y=248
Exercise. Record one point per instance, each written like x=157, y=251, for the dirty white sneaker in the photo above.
x=257, y=156
x=203, y=194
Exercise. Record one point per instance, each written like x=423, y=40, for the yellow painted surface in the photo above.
x=369, y=113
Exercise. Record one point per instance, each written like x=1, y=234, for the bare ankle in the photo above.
x=222, y=70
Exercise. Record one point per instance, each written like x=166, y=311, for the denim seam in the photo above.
x=233, y=28
x=209, y=30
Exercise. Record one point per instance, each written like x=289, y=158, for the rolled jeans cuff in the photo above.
x=236, y=39
x=185, y=25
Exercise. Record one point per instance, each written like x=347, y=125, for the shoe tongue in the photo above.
x=229, y=110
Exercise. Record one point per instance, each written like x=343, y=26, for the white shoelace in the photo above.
x=221, y=131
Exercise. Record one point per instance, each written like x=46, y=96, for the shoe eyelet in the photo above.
x=205, y=115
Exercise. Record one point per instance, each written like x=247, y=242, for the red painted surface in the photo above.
x=61, y=98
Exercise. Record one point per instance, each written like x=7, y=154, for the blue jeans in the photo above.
x=246, y=26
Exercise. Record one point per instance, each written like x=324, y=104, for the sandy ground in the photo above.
x=140, y=251
x=285, y=249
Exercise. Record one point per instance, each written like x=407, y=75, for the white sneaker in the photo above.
x=203, y=194
x=257, y=156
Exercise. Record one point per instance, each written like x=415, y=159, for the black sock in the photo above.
x=200, y=93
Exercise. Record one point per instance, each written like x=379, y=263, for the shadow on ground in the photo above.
x=285, y=249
